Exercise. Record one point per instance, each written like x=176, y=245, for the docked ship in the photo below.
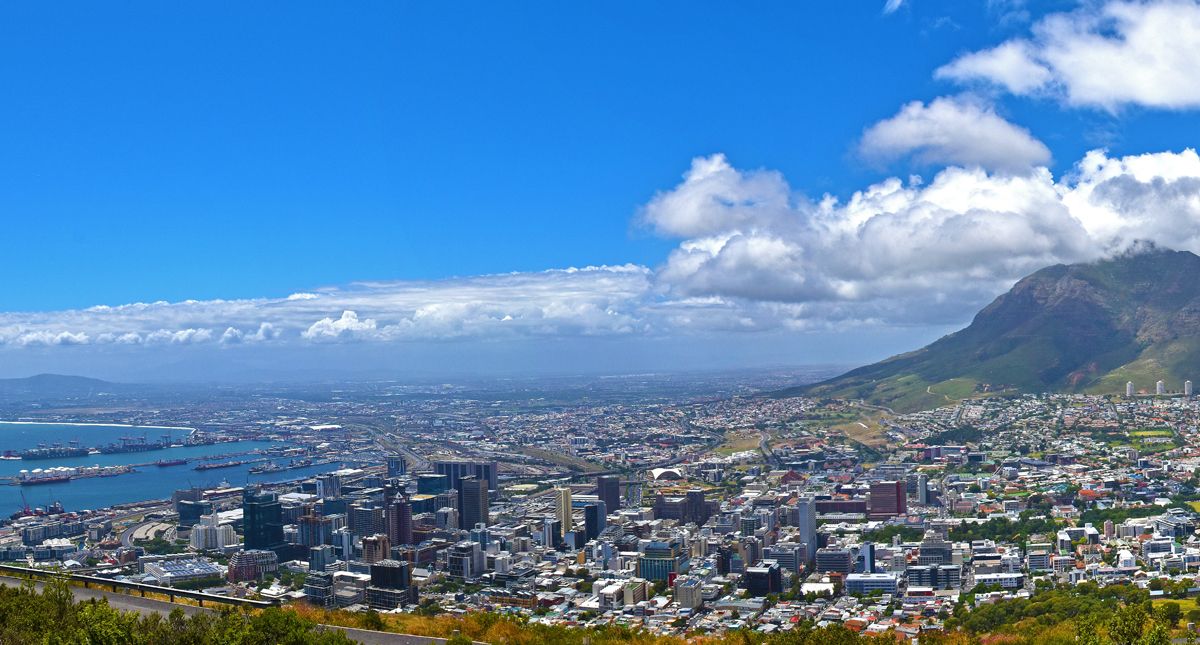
x=266, y=468
x=56, y=451
x=222, y=464
x=136, y=444
x=163, y=463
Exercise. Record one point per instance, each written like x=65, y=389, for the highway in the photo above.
x=147, y=606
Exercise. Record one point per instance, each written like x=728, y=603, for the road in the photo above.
x=147, y=606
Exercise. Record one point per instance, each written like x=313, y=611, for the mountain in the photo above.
x=1072, y=328
x=55, y=387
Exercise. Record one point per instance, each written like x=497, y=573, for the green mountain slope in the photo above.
x=1082, y=327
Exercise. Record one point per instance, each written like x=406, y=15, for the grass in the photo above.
x=1195, y=504
x=1152, y=432
x=738, y=441
x=866, y=428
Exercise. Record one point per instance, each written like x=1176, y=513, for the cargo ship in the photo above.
x=223, y=464
x=56, y=451
x=163, y=463
x=136, y=444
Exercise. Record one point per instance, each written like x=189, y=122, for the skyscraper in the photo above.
x=922, y=489
x=1187, y=388
x=595, y=519
x=562, y=509
x=806, y=508
x=457, y=470
x=396, y=466
x=608, y=489
x=472, y=502
x=888, y=499
x=262, y=518
x=1129, y=389
x=376, y=548
x=1160, y=388
x=399, y=521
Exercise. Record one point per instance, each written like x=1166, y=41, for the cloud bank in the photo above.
x=751, y=255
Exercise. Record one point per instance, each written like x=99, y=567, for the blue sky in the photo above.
x=240, y=154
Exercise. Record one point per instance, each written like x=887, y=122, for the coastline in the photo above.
x=101, y=425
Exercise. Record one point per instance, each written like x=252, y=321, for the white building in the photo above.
x=1160, y=388
x=1129, y=389
x=211, y=535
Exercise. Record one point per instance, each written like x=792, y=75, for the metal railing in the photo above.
x=117, y=586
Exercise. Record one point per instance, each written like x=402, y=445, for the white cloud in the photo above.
x=957, y=131
x=892, y=5
x=1104, y=55
x=1011, y=65
x=345, y=327
x=912, y=252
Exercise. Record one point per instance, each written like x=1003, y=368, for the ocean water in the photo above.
x=149, y=482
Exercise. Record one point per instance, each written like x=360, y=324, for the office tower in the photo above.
x=399, y=521
x=1129, y=389
x=696, y=507
x=888, y=499
x=922, y=489
x=1187, y=388
x=1160, y=388
x=806, y=508
x=608, y=489
x=396, y=466
x=867, y=554
x=375, y=548
x=472, y=502
x=595, y=519
x=465, y=559
x=314, y=530
x=366, y=519
x=391, y=585
x=562, y=509
x=766, y=578
x=190, y=512
x=320, y=557
x=262, y=518
x=432, y=484
x=834, y=560
x=661, y=559
x=455, y=471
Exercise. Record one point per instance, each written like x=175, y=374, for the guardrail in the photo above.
x=117, y=585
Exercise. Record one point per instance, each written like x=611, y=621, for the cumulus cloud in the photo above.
x=1104, y=55
x=958, y=131
x=910, y=251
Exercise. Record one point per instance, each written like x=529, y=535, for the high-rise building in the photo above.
x=472, y=502
x=766, y=578
x=922, y=490
x=314, y=530
x=321, y=557
x=888, y=499
x=807, y=523
x=595, y=519
x=391, y=585
x=1187, y=388
x=562, y=509
x=399, y=522
x=697, y=507
x=366, y=519
x=396, y=466
x=608, y=489
x=375, y=548
x=1129, y=389
x=457, y=470
x=430, y=484
x=661, y=559
x=262, y=519
x=866, y=554
x=1160, y=388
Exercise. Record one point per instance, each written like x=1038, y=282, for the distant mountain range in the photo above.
x=1073, y=328
x=55, y=387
